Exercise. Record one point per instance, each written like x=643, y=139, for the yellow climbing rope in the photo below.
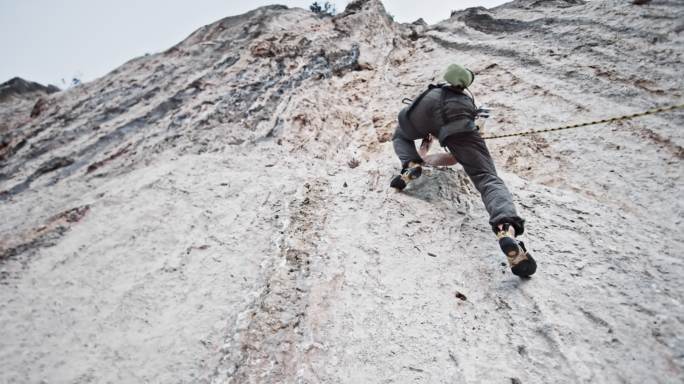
x=619, y=118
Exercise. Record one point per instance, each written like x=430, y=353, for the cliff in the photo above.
x=220, y=211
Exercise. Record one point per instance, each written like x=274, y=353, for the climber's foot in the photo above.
x=521, y=261
x=412, y=172
x=398, y=183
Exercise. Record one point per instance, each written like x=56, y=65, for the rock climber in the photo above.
x=446, y=112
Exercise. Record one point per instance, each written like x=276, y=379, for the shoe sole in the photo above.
x=398, y=183
x=509, y=247
x=523, y=268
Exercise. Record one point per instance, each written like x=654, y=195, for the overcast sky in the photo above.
x=49, y=40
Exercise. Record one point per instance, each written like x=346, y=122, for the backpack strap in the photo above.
x=442, y=107
x=420, y=97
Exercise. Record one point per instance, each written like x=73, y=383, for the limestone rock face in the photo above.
x=219, y=212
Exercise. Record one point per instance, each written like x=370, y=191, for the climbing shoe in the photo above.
x=521, y=262
x=412, y=172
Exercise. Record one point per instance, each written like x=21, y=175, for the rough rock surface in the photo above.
x=219, y=212
x=20, y=99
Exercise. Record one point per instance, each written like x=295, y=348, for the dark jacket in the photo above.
x=441, y=112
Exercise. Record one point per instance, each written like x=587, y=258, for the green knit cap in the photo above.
x=459, y=76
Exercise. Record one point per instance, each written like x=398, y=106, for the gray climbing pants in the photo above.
x=471, y=152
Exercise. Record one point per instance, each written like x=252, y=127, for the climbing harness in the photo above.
x=609, y=120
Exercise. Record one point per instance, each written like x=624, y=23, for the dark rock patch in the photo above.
x=52, y=165
x=39, y=107
x=19, y=87
x=479, y=19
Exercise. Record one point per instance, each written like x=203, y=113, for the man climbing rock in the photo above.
x=445, y=112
